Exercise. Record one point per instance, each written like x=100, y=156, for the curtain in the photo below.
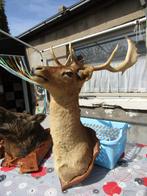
x=133, y=80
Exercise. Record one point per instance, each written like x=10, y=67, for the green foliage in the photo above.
x=3, y=18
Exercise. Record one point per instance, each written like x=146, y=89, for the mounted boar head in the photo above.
x=22, y=130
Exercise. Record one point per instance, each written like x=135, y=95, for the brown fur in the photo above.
x=73, y=143
x=21, y=132
x=1, y=148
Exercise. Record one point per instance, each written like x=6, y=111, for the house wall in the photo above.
x=95, y=20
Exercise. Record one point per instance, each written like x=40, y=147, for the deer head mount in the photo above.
x=74, y=145
x=75, y=72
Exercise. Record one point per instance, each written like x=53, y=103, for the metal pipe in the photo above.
x=10, y=55
x=100, y=33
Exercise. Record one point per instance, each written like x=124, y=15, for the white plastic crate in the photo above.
x=112, y=136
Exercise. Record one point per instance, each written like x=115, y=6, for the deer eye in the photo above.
x=67, y=73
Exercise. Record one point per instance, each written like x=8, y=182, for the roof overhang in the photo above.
x=61, y=17
x=11, y=47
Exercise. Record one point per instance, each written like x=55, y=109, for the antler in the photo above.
x=55, y=58
x=70, y=59
x=131, y=58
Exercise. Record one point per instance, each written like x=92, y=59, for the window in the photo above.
x=134, y=80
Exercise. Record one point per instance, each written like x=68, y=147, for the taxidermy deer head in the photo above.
x=21, y=132
x=74, y=146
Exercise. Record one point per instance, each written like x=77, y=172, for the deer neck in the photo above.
x=64, y=118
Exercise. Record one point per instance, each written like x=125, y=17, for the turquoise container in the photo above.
x=112, y=136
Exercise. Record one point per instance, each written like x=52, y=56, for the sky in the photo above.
x=24, y=14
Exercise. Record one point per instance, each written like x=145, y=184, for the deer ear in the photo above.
x=37, y=118
x=85, y=74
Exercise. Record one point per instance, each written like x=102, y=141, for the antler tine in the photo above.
x=74, y=56
x=69, y=59
x=55, y=58
x=131, y=58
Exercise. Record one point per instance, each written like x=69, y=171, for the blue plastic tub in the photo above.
x=112, y=136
